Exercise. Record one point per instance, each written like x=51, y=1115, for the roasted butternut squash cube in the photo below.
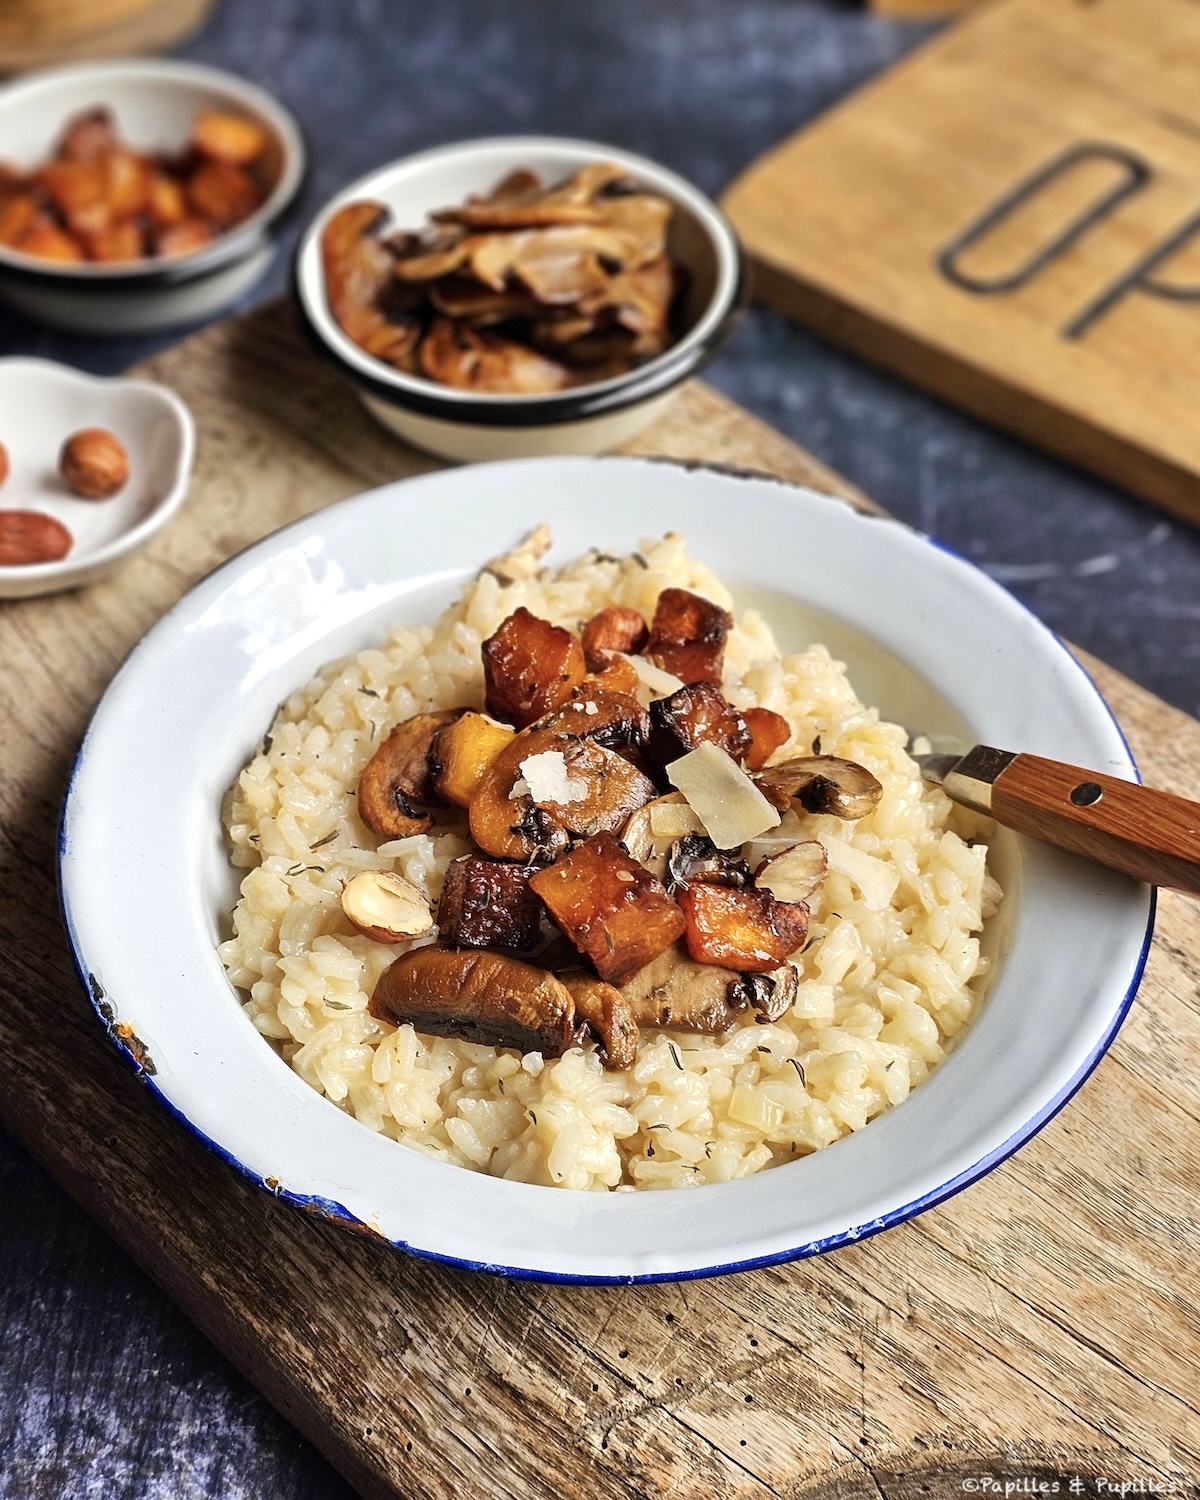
x=610, y=907
x=227, y=138
x=619, y=676
x=748, y=930
x=486, y=903
x=530, y=667
x=688, y=636
x=695, y=715
x=222, y=194
x=462, y=752
x=617, y=628
x=768, y=731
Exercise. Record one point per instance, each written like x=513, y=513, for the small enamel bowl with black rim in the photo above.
x=470, y=425
x=154, y=102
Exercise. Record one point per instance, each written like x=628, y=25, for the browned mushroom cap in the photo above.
x=464, y=297
x=795, y=873
x=88, y=136
x=771, y=995
x=644, y=216
x=607, y=1015
x=613, y=719
x=397, y=781
x=821, y=784
x=611, y=908
x=455, y=354
x=654, y=830
x=423, y=259
x=357, y=271
x=559, y=265
x=478, y=996
x=676, y=992
x=520, y=201
x=640, y=298
x=603, y=787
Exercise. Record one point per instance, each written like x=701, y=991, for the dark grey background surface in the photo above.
x=105, y=1390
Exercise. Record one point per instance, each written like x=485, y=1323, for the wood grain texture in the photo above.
x=1043, y=1323
x=846, y=221
x=1149, y=834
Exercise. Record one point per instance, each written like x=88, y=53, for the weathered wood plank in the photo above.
x=1042, y=1323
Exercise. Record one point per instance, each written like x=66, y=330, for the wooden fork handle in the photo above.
x=1152, y=835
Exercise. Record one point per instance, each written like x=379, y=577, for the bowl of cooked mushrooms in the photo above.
x=140, y=194
x=520, y=296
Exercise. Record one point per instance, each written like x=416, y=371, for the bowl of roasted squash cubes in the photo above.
x=521, y=296
x=139, y=195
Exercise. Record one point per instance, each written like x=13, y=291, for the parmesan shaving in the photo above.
x=548, y=780
x=723, y=797
x=654, y=681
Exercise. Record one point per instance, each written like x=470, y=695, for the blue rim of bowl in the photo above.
x=330, y=1209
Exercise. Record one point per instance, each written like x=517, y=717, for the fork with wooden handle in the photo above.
x=1152, y=835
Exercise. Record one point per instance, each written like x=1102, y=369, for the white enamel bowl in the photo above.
x=470, y=426
x=41, y=405
x=154, y=101
x=931, y=640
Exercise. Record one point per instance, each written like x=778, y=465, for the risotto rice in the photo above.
x=889, y=976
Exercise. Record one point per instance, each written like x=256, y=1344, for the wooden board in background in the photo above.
x=918, y=9
x=847, y=220
x=1039, y=1326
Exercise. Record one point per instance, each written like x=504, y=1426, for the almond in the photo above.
x=93, y=464
x=28, y=536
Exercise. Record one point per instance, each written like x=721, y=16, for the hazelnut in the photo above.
x=28, y=536
x=386, y=907
x=93, y=464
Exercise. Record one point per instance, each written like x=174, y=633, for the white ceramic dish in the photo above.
x=961, y=656
x=41, y=405
x=154, y=101
x=464, y=425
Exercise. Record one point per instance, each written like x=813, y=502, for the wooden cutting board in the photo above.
x=917, y=223
x=1041, y=1325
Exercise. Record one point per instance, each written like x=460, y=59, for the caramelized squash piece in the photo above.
x=608, y=1015
x=617, y=628
x=821, y=784
x=396, y=782
x=748, y=930
x=612, y=909
x=768, y=731
x=476, y=996
x=688, y=636
x=222, y=194
x=530, y=667
x=695, y=715
x=603, y=789
x=486, y=903
x=462, y=752
x=619, y=676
